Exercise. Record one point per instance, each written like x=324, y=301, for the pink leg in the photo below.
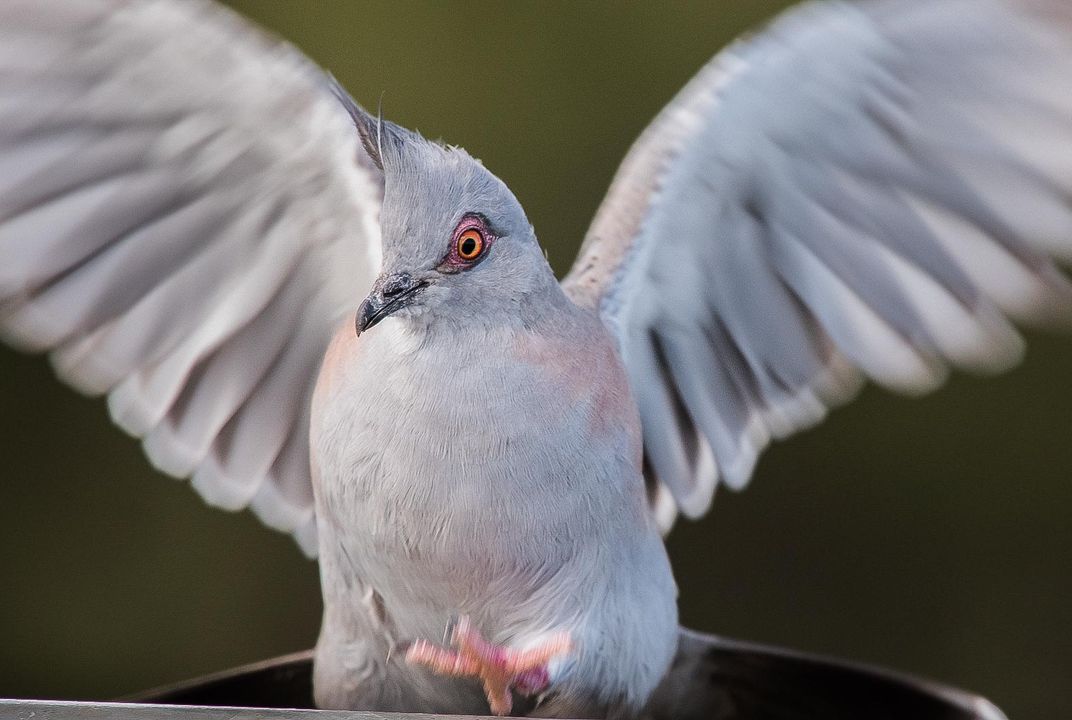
x=500, y=668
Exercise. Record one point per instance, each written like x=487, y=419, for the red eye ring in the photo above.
x=470, y=244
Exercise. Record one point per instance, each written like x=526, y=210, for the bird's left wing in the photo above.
x=864, y=189
x=186, y=215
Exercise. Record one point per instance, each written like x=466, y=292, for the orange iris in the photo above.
x=470, y=244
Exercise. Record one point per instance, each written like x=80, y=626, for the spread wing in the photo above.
x=862, y=190
x=186, y=214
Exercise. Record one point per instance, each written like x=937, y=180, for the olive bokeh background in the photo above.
x=931, y=535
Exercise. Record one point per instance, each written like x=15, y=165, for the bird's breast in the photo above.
x=481, y=457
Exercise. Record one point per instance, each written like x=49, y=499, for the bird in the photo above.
x=316, y=313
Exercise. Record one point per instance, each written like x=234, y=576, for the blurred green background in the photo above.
x=930, y=535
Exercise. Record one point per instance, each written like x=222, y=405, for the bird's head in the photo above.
x=456, y=243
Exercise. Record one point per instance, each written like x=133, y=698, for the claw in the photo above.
x=452, y=625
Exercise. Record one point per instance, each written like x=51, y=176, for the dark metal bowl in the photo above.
x=712, y=678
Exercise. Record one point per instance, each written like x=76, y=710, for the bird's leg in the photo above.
x=501, y=669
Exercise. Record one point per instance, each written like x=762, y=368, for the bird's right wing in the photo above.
x=186, y=215
x=864, y=189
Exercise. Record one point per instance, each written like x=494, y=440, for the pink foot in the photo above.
x=501, y=669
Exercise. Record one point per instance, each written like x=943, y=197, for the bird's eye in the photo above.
x=470, y=244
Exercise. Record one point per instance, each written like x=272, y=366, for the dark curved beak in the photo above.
x=390, y=293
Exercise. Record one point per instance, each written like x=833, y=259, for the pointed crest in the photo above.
x=375, y=132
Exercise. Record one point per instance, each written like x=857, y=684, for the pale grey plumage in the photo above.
x=864, y=189
x=188, y=253
x=497, y=375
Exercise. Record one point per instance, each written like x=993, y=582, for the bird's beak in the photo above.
x=390, y=293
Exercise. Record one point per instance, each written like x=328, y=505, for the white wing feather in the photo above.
x=186, y=215
x=863, y=189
